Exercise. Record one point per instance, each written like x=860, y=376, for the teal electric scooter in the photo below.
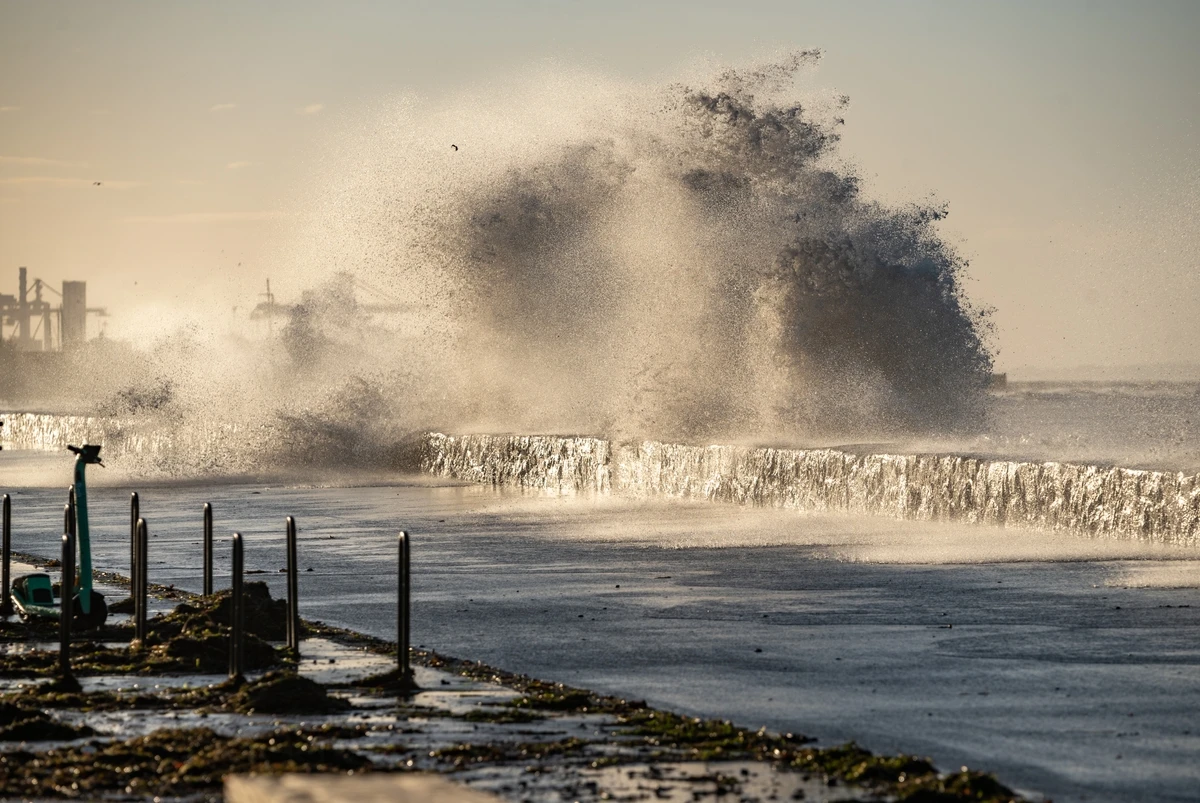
x=33, y=594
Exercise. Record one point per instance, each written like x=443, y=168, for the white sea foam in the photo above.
x=1173, y=574
x=864, y=539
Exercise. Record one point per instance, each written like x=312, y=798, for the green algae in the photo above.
x=124, y=605
x=394, y=681
x=958, y=786
x=194, y=637
x=171, y=762
x=21, y=724
x=21, y=630
x=558, y=698
x=265, y=617
x=284, y=693
x=204, y=653
x=273, y=693
x=45, y=697
x=850, y=762
x=503, y=752
x=498, y=715
x=907, y=778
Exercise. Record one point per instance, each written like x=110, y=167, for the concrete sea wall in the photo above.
x=158, y=446
x=1155, y=506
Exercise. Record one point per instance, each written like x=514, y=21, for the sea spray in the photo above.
x=688, y=261
x=654, y=266
x=563, y=252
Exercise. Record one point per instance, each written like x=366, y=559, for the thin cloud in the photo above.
x=59, y=181
x=36, y=161
x=222, y=107
x=238, y=165
x=205, y=217
x=4, y=109
x=312, y=108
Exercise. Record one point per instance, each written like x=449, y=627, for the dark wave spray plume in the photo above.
x=689, y=262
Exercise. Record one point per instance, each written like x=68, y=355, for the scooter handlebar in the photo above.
x=88, y=453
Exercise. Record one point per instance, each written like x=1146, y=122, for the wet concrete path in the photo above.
x=1049, y=671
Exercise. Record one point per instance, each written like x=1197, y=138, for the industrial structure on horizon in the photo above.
x=34, y=321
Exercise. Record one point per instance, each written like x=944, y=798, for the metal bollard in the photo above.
x=208, y=544
x=403, y=617
x=135, y=513
x=6, y=606
x=293, y=590
x=66, y=609
x=140, y=580
x=237, y=612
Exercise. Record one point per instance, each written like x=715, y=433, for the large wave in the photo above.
x=690, y=261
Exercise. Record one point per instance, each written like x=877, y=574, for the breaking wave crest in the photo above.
x=688, y=262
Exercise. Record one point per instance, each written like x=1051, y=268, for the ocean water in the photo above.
x=1146, y=425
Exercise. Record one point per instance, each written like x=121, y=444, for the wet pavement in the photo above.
x=483, y=734
x=1046, y=664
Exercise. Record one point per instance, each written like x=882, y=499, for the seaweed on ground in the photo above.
x=194, y=637
x=284, y=693
x=171, y=762
x=273, y=693
x=500, y=752
x=19, y=723
x=265, y=617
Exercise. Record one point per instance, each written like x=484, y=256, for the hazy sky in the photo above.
x=1063, y=135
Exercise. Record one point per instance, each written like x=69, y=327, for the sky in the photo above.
x=1062, y=135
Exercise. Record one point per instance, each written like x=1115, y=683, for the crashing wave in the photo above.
x=688, y=262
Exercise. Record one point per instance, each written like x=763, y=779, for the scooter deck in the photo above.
x=33, y=595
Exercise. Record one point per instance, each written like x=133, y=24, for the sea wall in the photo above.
x=1156, y=506
x=51, y=431
x=158, y=446
x=1153, y=506
x=565, y=465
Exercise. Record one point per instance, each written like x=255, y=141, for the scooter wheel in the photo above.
x=94, y=618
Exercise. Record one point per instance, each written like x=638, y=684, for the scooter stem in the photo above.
x=81, y=531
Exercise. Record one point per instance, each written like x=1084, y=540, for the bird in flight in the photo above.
x=95, y=183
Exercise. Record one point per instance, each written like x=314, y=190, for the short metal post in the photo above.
x=403, y=608
x=135, y=513
x=208, y=546
x=6, y=606
x=236, y=611
x=293, y=591
x=140, y=580
x=66, y=609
